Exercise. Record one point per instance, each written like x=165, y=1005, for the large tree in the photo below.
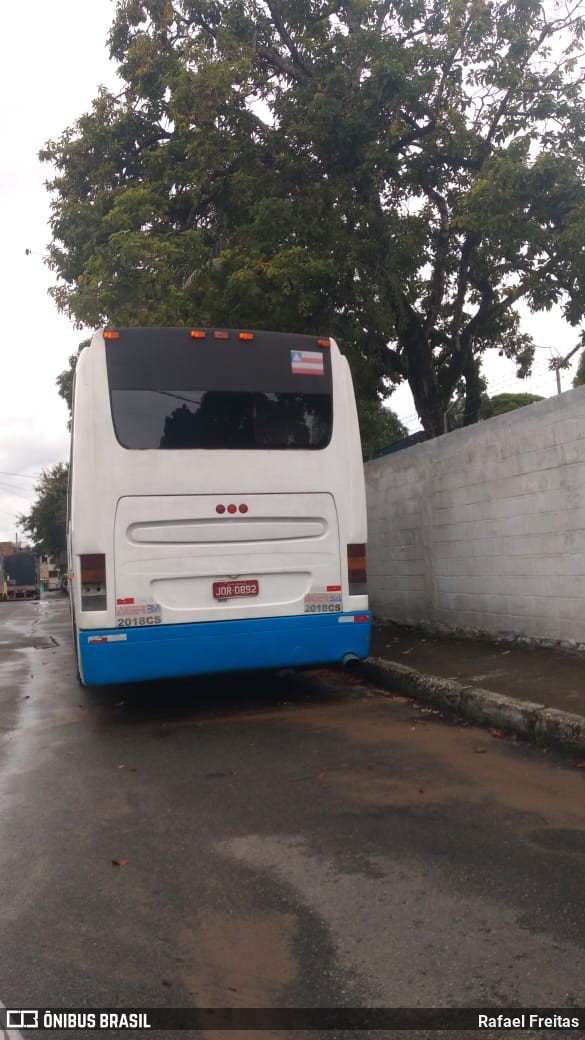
x=400, y=175
x=46, y=522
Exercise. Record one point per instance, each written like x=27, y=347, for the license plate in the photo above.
x=231, y=589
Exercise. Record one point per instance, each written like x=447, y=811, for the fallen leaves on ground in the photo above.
x=497, y=732
x=120, y=862
x=480, y=750
x=350, y=680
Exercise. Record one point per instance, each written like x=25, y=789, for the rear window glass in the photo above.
x=220, y=419
x=170, y=392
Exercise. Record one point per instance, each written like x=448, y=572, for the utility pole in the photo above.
x=555, y=364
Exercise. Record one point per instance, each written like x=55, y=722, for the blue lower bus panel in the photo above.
x=135, y=654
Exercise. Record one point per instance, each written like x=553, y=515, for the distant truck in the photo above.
x=53, y=581
x=21, y=574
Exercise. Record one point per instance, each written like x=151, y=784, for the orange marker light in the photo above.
x=245, y=335
x=111, y=334
x=221, y=335
x=323, y=342
x=197, y=334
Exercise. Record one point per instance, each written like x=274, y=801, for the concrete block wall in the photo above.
x=485, y=527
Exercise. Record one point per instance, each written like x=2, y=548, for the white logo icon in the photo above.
x=22, y=1019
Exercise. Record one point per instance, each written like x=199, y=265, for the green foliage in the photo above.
x=65, y=378
x=379, y=427
x=488, y=406
x=579, y=379
x=398, y=176
x=47, y=520
x=500, y=403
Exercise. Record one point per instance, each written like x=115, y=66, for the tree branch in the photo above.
x=287, y=39
x=285, y=67
x=441, y=254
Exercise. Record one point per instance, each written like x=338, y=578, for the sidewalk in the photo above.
x=536, y=692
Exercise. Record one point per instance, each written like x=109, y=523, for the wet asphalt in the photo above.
x=261, y=841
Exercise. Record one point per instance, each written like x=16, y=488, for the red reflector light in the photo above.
x=356, y=551
x=232, y=508
x=245, y=335
x=323, y=342
x=360, y=617
x=334, y=588
x=221, y=335
x=92, y=569
x=220, y=509
x=197, y=334
x=111, y=334
x=243, y=508
x=356, y=563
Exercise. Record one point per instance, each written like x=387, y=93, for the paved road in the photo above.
x=286, y=845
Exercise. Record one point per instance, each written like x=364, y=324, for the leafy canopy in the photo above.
x=399, y=176
x=46, y=522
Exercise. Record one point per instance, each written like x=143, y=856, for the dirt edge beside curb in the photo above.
x=531, y=721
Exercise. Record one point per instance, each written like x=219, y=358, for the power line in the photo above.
x=4, y=489
x=6, y=473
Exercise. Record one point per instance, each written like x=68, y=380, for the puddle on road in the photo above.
x=37, y=643
x=244, y=960
x=444, y=763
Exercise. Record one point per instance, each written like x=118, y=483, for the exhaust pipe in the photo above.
x=349, y=659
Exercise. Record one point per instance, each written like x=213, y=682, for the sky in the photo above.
x=47, y=83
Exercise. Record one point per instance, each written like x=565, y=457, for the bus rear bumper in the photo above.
x=136, y=654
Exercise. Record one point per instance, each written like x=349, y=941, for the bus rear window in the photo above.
x=175, y=419
x=168, y=391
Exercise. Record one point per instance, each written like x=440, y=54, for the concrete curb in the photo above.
x=528, y=720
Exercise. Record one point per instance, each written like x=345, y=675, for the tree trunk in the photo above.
x=422, y=379
x=473, y=391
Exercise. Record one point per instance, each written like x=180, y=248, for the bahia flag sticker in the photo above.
x=306, y=363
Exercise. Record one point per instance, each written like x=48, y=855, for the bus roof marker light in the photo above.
x=198, y=334
x=243, y=508
x=221, y=335
x=111, y=334
x=323, y=342
x=246, y=335
x=232, y=508
x=220, y=509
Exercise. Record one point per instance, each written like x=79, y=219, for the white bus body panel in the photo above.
x=153, y=514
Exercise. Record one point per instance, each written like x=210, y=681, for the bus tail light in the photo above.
x=357, y=569
x=92, y=571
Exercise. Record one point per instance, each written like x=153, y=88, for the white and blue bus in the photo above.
x=217, y=514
